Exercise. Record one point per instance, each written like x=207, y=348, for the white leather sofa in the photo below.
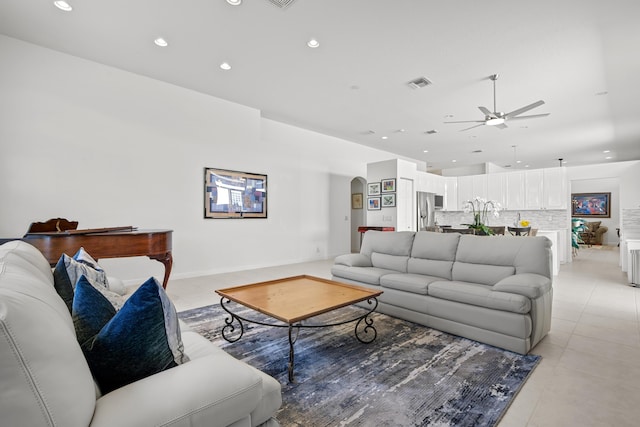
x=492, y=289
x=45, y=380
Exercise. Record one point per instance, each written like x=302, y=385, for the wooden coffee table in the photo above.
x=295, y=299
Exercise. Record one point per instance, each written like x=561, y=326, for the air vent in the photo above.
x=431, y=132
x=281, y=3
x=420, y=82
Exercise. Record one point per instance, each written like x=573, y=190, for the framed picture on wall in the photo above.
x=373, y=203
x=591, y=205
x=373, y=188
x=356, y=201
x=233, y=194
x=389, y=185
x=388, y=200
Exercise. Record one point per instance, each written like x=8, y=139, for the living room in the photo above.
x=107, y=147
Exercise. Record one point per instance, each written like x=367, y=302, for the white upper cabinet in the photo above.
x=515, y=191
x=534, y=189
x=555, y=188
x=450, y=193
x=465, y=190
x=497, y=188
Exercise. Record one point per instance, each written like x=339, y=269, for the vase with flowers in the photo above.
x=480, y=208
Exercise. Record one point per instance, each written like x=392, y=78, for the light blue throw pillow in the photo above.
x=69, y=269
x=141, y=339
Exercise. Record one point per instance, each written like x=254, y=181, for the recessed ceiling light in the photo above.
x=609, y=157
x=453, y=161
x=385, y=137
x=161, y=42
x=425, y=151
x=63, y=5
x=606, y=151
x=313, y=43
x=225, y=66
x=234, y=2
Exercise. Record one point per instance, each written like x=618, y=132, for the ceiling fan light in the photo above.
x=494, y=122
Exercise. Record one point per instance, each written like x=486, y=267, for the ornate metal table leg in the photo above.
x=368, y=325
x=228, y=327
x=292, y=341
x=291, y=353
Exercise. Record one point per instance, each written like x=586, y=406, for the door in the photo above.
x=405, y=202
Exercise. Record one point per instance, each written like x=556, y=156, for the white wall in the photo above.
x=108, y=148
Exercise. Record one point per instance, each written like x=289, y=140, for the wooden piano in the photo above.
x=112, y=242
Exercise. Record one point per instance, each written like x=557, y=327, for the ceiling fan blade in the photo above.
x=502, y=126
x=481, y=124
x=523, y=109
x=486, y=111
x=467, y=121
x=533, y=116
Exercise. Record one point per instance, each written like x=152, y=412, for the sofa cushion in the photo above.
x=442, y=269
x=480, y=295
x=489, y=260
x=389, y=262
x=141, y=339
x=385, y=242
x=369, y=275
x=45, y=377
x=414, y=283
x=435, y=246
x=481, y=273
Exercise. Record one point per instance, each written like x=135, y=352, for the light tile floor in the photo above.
x=590, y=369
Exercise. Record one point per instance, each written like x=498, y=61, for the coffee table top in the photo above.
x=297, y=298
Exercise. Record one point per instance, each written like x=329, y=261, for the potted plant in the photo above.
x=480, y=209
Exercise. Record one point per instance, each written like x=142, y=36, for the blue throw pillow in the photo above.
x=141, y=339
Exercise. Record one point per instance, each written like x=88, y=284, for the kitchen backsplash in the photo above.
x=540, y=219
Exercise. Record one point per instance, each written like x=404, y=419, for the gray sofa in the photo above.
x=46, y=380
x=497, y=290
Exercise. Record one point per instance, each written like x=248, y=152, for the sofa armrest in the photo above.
x=213, y=391
x=530, y=285
x=354, y=260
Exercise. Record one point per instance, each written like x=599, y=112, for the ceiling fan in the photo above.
x=498, y=118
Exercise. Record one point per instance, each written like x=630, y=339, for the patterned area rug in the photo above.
x=410, y=375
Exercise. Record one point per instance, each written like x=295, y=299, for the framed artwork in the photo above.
x=373, y=203
x=591, y=205
x=233, y=194
x=356, y=201
x=388, y=200
x=389, y=185
x=373, y=188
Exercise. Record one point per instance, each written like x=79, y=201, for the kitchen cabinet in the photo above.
x=497, y=188
x=555, y=188
x=533, y=198
x=450, y=193
x=515, y=191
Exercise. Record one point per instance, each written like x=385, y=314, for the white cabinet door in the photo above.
x=515, y=191
x=465, y=190
x=534, y=189
x=479, y=183
x=555, y=188
x=497, y=188
x=450, y=193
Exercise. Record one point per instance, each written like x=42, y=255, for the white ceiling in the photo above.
x=579, y=56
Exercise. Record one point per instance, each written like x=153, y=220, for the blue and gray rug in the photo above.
x=410, y=375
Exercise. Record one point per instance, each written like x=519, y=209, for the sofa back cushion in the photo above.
x=487, y=260
x=387, y=242
x=389, y=262
x=45, y=378
x=433, y=254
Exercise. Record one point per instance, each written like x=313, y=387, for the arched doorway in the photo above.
x=358, y=213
